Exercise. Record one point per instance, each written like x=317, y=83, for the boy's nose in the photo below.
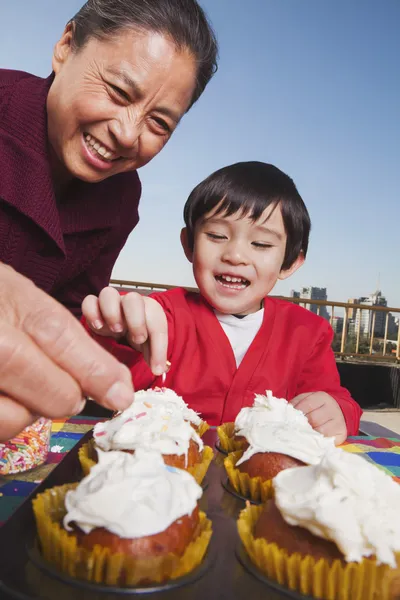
x=235, y=255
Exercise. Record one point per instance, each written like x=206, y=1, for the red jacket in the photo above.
x=67, y=248
x=290, y=354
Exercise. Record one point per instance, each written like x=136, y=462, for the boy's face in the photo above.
x=236, y=262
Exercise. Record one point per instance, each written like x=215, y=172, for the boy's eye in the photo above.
x=215, y=236
x=261, y=245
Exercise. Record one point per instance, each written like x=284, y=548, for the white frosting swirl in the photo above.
x=274, y=425
x=131, y=495
x=171, y=399
x=346, y=500
x=147, y=424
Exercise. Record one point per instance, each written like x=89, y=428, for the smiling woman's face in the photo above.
x=114, y=103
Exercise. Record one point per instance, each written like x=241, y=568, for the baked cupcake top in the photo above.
x=346, y=500
x=155, y=425
x=274, y=425
x=131, y=495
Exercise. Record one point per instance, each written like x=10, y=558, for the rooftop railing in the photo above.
x=361, y=331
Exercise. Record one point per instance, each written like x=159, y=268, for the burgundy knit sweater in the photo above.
x=68, y=249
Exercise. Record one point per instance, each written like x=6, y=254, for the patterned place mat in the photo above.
x=382, y=452
x=65, y=433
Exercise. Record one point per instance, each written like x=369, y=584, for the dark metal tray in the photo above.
x=225, y=575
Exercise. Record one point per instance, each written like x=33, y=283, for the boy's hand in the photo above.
x=323, y=413
x=141, y=321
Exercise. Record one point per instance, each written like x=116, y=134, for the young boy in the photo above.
x=246, y=227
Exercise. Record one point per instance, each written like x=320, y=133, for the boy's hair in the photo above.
x=248, y=188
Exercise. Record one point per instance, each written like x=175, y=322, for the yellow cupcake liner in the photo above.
x=226, y=433
x=200, y=469
x=99, y=565
x=202, y=428
x=254, y=488
x=87, y=456
x=329, y=581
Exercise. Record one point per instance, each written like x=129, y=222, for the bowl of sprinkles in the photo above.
x=27, y=450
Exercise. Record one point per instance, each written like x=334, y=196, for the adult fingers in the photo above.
x=135, y=317
x=65, y=342
x=110, y=309
x=29, y=377
x=13, y=418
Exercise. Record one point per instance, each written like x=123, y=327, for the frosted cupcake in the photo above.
x=152, y=424
x=275, y=436
x=332, y=530
x=132, y=520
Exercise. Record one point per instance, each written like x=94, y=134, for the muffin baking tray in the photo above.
x=225, y=574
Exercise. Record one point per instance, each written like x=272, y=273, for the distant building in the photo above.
x=313, y=293
x=352, y=312
x=337, y=324
x=365, y=318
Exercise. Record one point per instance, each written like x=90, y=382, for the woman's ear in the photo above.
x=185, y=245
x=284, y=274
x=62, y=49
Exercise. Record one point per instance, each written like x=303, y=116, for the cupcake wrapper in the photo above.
x=200, y=469
x=99, y=565
x=330, y=581
x=254, y=488
x=87, y=454
x=202, y=428
x=226, y=433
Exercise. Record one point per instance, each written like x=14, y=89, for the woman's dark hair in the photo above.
x=184, y=21
x=248, y=188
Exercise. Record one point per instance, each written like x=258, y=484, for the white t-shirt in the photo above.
x=241, y=332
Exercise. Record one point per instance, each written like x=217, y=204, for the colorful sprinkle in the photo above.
x=100, y=433
x=27, y=450
x=140, y=415
x=164, y=428
x=148, y=404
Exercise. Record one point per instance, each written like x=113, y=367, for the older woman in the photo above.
x=124, y=74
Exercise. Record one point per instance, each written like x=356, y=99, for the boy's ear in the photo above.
x=284, y=274
x=62, y=49
x=185, y=245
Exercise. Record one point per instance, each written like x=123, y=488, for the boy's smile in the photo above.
x=236, y=261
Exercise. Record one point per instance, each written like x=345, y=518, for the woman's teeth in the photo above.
x=95, y=145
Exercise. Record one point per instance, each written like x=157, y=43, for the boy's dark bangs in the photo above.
x=238, y=203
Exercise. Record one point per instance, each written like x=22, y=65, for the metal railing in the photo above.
x=356, y=334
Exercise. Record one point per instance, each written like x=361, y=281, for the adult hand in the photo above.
x=48, y=362
x=139, y=320
x=323, y=413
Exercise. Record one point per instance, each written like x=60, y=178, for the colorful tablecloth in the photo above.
x=65, y=434
x=382, y=452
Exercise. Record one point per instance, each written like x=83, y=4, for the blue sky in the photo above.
x=311, y=86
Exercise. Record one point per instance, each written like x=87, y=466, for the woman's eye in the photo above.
x=261, y=245
x=121, y=93
x=163, y=124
